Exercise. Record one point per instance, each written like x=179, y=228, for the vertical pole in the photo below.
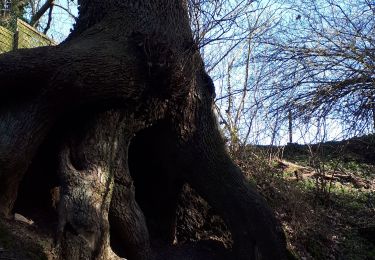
x=372, y=107
x=15, y=39
x=290, y=126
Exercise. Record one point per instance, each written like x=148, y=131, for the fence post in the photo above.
x=290, y=126
x=15, y=39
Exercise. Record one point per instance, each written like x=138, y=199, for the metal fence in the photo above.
x=23, y=36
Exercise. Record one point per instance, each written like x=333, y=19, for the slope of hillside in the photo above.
x=323, y=193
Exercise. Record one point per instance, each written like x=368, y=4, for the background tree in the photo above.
x=313, y=59
x=11, y=9
x=326, y=63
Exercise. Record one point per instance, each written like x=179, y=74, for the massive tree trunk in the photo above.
x=128, y=68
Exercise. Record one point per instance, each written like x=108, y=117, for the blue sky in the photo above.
x=262, y=126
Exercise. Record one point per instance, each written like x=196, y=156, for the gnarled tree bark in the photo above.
x=137, y=62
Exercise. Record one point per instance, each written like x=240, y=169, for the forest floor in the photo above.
x=323, y=194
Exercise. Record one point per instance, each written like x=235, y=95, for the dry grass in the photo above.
x=329, y=223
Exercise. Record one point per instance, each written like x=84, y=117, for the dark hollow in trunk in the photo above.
x=130, y=68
